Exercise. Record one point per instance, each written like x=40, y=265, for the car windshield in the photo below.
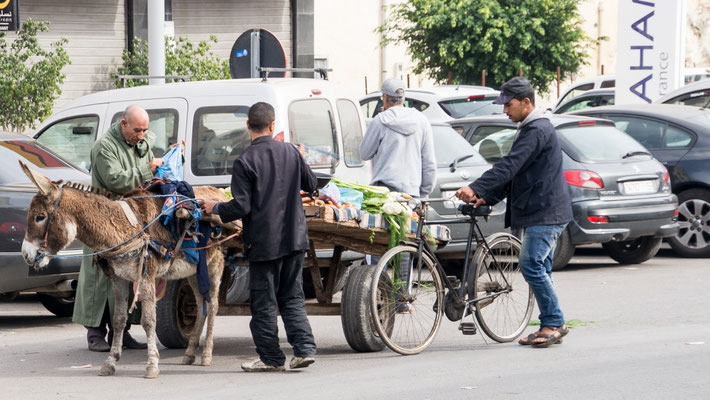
x=450, y=146
x=599, y=143
x=471, y=106
x=29, y=153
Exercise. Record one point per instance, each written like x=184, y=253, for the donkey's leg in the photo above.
x=148, y=318
x=215, y=265
x=194, y=344
x=120, y=316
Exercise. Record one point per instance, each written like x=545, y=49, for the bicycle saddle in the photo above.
x=480, y=211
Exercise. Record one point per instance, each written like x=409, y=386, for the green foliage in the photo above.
x=182, y=57
x=30, y=77
x=465, y=37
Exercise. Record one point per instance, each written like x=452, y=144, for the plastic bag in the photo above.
x=172, y=168
x=330, y=192
x=352, y=196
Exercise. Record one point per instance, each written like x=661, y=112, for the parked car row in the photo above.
x=622, y=196
x=695, y=94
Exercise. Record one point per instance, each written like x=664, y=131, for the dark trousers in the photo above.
x=101, y=330
x=274, y=286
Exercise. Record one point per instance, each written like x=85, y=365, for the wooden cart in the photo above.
x=176, y=311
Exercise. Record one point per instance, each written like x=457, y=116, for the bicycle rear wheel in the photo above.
x=407, y=320
x=504, y=315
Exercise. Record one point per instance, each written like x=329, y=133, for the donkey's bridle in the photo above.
x=51, y=217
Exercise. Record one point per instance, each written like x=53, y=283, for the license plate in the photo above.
x=639, y=187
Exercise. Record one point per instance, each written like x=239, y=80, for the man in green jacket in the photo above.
x=120, y=161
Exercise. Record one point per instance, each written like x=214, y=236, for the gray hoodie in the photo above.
x=399, y=143
x=535, y=114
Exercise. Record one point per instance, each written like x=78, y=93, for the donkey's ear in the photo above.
x=43, y=183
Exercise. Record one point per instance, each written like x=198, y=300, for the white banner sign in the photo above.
x=651, y=49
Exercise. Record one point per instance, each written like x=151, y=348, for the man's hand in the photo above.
x=467, y=195
x=301, y=149
x=155, y=163
x=208, y=205
x=181, y=144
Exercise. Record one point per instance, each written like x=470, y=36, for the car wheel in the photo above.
x=693, y=238
x=60, y=306
x=633, y=251
x=564, y=250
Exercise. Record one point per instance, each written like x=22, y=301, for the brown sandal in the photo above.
x=527, y=341
x=558, y=332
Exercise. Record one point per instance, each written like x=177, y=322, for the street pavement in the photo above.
x=640, y=332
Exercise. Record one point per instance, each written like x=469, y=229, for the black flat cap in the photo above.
x=512, y=88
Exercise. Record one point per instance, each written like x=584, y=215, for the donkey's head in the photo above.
x=49, y=229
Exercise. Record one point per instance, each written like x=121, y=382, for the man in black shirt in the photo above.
x=266, y=183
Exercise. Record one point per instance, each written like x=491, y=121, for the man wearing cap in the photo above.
x=399, y=143
x=532, y=179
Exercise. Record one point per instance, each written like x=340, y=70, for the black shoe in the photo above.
x=133, y=344
x=99, y=344
x=129, y=342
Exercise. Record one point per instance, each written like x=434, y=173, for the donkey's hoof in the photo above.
x=206, y=361
x=152, y=372
x=188, y=360
x=107, y=370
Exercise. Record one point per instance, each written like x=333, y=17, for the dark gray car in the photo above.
x=679, y=137
x=55, y=283
x=621, y=195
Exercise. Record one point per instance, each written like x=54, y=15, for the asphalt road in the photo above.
x=642, y=332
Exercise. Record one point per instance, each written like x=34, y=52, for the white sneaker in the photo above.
x=301, y=362
x=256, y=365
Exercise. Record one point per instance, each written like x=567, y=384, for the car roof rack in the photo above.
x=124, y=78
x=322, y=71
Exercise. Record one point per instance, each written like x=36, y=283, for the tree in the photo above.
x=30, y=77
x=181, y=58
x=465, y=37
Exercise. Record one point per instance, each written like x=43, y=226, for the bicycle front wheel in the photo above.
x=506, y=303
x=407, y=317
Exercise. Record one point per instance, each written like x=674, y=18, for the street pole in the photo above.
x=156, y=41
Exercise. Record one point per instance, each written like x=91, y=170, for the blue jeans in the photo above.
x=536, y=265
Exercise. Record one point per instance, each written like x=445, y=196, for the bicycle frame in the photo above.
x=474, y=233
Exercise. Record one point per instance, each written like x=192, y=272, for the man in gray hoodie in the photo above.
x=399, y=143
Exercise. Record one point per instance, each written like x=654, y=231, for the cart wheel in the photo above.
x=356, y=310
x=176, y=313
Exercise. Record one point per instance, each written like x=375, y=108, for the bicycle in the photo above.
x=408, y=298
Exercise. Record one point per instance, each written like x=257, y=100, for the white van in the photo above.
x=210, y=116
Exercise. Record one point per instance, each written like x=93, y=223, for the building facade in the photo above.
x=98, y=31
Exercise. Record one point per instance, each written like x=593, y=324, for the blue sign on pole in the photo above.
x=241, y=53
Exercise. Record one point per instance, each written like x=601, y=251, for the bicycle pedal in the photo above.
x=468, y=328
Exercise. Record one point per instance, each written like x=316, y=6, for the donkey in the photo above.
x=60, y=213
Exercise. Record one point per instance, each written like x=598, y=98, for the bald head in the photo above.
x=133, y=112
x=134, y=124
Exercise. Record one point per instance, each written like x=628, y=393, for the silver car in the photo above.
x=458, y=164
x=441, y=103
